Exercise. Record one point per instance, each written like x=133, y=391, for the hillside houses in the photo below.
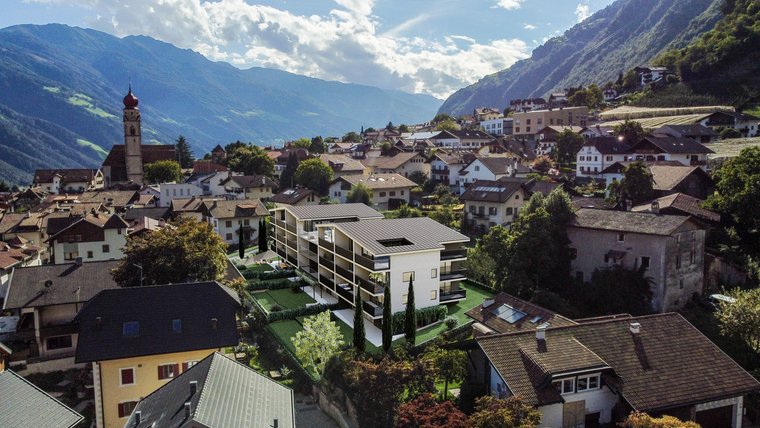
x=388, y=191
x=403, y=164
x=68, y=180
x=490, y=168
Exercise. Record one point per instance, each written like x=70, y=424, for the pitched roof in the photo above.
x=99, y=220
x=331, y=211
x=667, y=177
x=292, y=196
x=236, y=208
x=117, y=198
x=341, y=163
x=693, y=130
x=669, y=363
x=541, y=186
x=116, y=158
x=67, y=175
x=673, y=145
x=251, y=181
x=407, y=234
x=462, y=134
x=608, y=145
x=156, y=213
x=626, y=221
x=450, y=158
x=534, y=315
x=190, y=204
x=58, y=284
x=101, y=320
x=228, y=395
x=9, y=221
x=493, y=190
x=389, y=162
x=26, y=405
x=378, y=181
x=500, y=164
x=684, y=203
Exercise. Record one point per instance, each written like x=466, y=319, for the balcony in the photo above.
x=453, y=254
x=279, y=223
x=698, y=163
x=291, y=227
x=453, y=274
x=452, y=296
x=326, y=282
x=292, y=260
x=370, y=286
x=372, y=309
x=444, y=171
x=292, y=244
x=325, y=243
x=372, y=264
x=345, y=291
x=478, y=215
x=344, y=252
x=309, y=236
x=310, y=255
x=345, y=273
x=326, y=263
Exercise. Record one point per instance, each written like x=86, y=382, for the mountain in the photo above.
x=623, y=35
x=61, y=89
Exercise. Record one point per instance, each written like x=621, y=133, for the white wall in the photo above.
x=171, y=191
x=113, y=239
x=421, y=264
x=229, y=233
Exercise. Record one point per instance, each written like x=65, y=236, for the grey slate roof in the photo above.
x=423, y=233
x=674, y=145
x=154, y=307
x=292, y=196
x=608, y=145
x=310, y=212
x=379, y=181
x=156, y=213
x=493, y=190
x=626, y=221
x=24, y=405
x=229, y=395
x=69, y=283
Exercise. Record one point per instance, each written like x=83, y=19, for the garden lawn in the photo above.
x=285, y=298
x=284, y=330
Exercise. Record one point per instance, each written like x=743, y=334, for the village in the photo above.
x=577, y=265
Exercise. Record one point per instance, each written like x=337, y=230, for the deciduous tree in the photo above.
x=450, y=363
x=643, y=420
x=492, y=412
x=314, y=174
x=287, y=177
x=319, y=340
x=360, y=194
x=741, y=319
x=568, y=145
x=425, y=412
x=164, y=171
x=636, y=186
x=250, y=160
x=631, y=132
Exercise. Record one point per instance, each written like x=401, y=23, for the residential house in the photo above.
x=597, y=131
x=490, y=168
x=413, y=145
x=231, y=217
x=339, y=147
x=242, y=397
x=403, y=164
x=68, y=180
x=30, y=227
x=342, y=164
x=494, y=126
x=117, y=201
x=140, y=338
x=16, y=253
x=551, y=132
x=190, y=208
x=489, y=203
x=595, y=373
x=170, y=191
x=249, y=186
x=679, y=204
x=28, y=199
x=157, y=213
x=207, y=166
x=388, y=191
x=505, y=313
x=47, y=298
x=211, y=183
x=94, y=237
x=557, y=99
x=296, y=197
x=486, y=113
x=508, y=147
x=26, y=405
x=669, y=248
x=609, y=94
x=696, y=131
x=527, y=104
x=746, y=124
x=689, y=180
x=218, y=154
x=527, y=125
x=685, y=150
x=599, y=153
x=281, y=158
x=461, y=139
x=445, y=167
x=650, y=74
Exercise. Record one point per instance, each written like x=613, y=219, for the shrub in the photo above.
x=275, y=308
x=425, y=316
x=295, y=286
x=451, y=322
x=274, y=284
x=299, y=312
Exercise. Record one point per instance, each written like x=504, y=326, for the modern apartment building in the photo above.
x=528, y=124
x=351, y=249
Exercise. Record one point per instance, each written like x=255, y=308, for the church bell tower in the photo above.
x=132, y=139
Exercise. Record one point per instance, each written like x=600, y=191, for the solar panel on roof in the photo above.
x=509, y=314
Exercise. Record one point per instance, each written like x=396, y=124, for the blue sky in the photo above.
x=424, y=46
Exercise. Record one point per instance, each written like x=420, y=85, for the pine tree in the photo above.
x=410, y=318
x=359, y=335
x=288, y=174
x=387, y=319
x=241, y=243
x=184, y=155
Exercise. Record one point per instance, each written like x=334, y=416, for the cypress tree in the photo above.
x=359, y=335
x=387, y=319
x=241, y=243
x=263, y=245
x=410, y=317
x=184, y=155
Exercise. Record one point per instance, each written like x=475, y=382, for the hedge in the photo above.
x=300, y=312
x=274, y=284
x=272, y=274
x=425, y=316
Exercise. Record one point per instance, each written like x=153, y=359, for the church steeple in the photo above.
x=132, y=138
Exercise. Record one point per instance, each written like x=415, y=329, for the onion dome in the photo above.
x=130, y=101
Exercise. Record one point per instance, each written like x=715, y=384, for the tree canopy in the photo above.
x=591, y=97
x=184, y=154
x=737, y=185
x=314, y=174
x=249, y=159
x=631, y=132
x=360, y=194
x=425, y=412
x=163, y=171
x=741, y=319
x=185, y=250
x=287, y=176
x=492, y=412
x=319, y=340
x=643, y=420
x=636, y=185
x=569, y=144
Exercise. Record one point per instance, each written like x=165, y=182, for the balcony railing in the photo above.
x=372, y=309
x=345, y=273
x=293, y=260
x=280, y=223
x=345, y=291
x=326, y=282
x=311, y=236
x=452, y=295
x=698, y=163
x=373, y=264
x=453, y=274
x=453, y=254
x=326, y=263
x=292, y=244
x=370, y=286
x=344, y=252
x=440, y=171
x=291, y=227
x=325, y=243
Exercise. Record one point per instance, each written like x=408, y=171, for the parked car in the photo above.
x=714, y=301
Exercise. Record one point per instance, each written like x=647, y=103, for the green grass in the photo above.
x=81, y=100
x=285, y=330
x=90, y=145
x=260, y=268
x=284, y=298
x=732, y=147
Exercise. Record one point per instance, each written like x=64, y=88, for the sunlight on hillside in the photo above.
x=90, y=145
x=84, y=101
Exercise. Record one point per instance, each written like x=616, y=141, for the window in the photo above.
x=228, y=223
x=517, y=196
x=177, y=325
x=168, y=371
x=407, y=276
x=621, y=237
x=382, y=194
x=433, y=294
x=127, y=376
x=586, y=383
x=645, y=262
x=680, y=284
x=246, y=222
x=106, y=248
x=678, y=261
x=130, y=329
x=492, y=211
x=402, y=193
x=509, y=210
x=392, y=193
x=565, y=386
x=89, y=254
x=527, y=121
x=404, y=298
x=126, y=408
x=187, y=364
x=434, y=273
x=59, y=342
x=472, y=209
x=118, y=231
x=609, y=158
x=477, y=167
x=583, y=158
x=228, y=236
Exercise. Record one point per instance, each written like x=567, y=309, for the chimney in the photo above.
x=214, y=322
x=193, y=387
x=635, y=328
x=78, y=261
x=655, y=207
x=137, y=417
x=188, y=409
x=541, y=333
x=488, y=302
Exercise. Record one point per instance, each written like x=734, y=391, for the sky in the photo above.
x=420, y=46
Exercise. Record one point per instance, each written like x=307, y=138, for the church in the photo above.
x=123, y=167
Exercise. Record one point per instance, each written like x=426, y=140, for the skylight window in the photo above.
x=509, y=314
x=130, y=329
x=177, y=325
x=394, y=242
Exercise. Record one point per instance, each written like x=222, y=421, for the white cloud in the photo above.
x=529, y=27
x=342, y=44
x=509, y=4
x=582, y=11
